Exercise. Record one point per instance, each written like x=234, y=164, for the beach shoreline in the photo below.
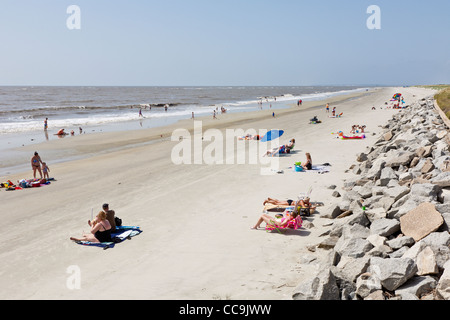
x=196, y=241
x=16, y=148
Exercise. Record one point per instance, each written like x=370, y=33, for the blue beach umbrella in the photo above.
x=272, y=135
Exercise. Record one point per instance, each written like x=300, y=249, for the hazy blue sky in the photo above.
x=224, y=42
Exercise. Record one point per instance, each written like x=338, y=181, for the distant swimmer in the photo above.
x=140, y=113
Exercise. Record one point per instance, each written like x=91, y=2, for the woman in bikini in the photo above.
x=278, y=202
x=36, y=164
x=274, y=221
x=100, y=230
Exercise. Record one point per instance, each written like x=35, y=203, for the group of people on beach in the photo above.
x=101, y=228
x=61, y=132
x=36, y=163
x=301, y=206
x=358, y=129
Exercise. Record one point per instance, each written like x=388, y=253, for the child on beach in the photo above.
x=45, y=170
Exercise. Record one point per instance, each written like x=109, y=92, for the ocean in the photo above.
x=24, y=109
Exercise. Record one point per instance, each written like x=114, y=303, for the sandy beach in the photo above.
x=196, y=218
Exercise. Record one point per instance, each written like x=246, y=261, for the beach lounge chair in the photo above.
x=294, y=224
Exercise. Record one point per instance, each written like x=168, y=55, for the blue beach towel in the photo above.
x=121, y=234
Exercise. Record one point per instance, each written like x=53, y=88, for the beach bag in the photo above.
x=118, y=221
x=305, y=212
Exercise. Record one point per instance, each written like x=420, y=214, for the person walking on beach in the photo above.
x=328, y=108
x=140, y=113
x=192, y=115
x=45, y=123
x=36, y=164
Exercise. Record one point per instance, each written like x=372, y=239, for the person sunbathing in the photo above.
x=308, y=164
x=304, y=203
x=100, y=230
x=282, y=222
x=278, y=202
x=285, y=148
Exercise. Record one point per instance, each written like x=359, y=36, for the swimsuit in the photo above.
x=103, y=236
x=35, y=163
x=290, y=202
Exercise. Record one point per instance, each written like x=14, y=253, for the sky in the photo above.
x=224, y=42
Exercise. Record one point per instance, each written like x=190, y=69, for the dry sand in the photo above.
x=197, y=242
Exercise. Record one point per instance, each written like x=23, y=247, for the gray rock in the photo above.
x=426, y=262
x=367, y=283
x=442, y=180
x=387, y=174
x=443, y=286
x=397, y=243
x=417, y=286
x=376, y=213
x=396, y=193
x=353, y=247
x=321, y=287
x=400, y=159
x=384, y=227
x=439, y=242
x=392, y=272
x=349, y=269
x=425, y=190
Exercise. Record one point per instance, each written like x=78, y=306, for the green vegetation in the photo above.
x=443, y=100
x=442, y=97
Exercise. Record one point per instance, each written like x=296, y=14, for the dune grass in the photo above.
x=443, y=100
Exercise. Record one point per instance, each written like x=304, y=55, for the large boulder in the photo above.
x=321, y=287
x=392, y=272
x=421, y=221
x=443, y=287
